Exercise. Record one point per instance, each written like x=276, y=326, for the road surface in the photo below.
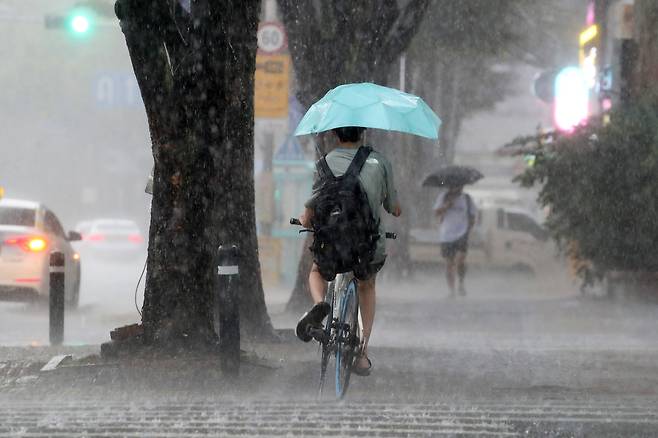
x=509, y=359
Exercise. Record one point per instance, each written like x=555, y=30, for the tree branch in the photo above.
x=406, y=27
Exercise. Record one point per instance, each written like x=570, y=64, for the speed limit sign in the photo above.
x=271, y=37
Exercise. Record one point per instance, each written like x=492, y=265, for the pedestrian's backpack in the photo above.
x=345, y=231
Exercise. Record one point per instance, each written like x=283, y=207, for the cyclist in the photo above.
x=376, y=178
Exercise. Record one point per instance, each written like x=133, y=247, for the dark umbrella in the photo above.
x=453, y=176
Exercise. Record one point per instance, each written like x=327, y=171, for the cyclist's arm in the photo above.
x=391, y=203
x=305, y=217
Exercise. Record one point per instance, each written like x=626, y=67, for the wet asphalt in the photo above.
x=515, y=357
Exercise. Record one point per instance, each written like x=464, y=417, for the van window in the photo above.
x=525, y=224
x=500, y=216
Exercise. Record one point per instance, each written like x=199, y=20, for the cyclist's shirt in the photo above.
x=376, y=178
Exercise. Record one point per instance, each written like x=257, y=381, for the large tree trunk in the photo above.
x=195, y=74
x=646, y=34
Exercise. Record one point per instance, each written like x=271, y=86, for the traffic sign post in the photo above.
x=272, y=81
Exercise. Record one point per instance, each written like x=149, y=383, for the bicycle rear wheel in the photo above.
x=348, y=335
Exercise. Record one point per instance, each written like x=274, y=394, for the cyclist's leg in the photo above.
x=367, y=302
x=320, y=309
x=317, y=285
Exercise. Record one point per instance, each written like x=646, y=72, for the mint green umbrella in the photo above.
x=370, y=106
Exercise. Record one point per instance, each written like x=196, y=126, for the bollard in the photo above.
x=56, y=298
x=228, y=306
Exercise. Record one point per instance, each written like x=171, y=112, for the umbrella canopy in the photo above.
x=370, y=106
x=453, y=176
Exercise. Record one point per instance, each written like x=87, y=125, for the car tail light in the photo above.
x=135, y=238
x=28, y=243
x=95, y=237
x=28, y=280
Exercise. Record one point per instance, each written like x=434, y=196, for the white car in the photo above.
x=29, y=233
x=111, y=239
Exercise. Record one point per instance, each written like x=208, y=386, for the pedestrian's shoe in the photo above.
x=462, y=290
x=312, y=318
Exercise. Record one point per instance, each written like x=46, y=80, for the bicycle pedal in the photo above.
x=317, y=333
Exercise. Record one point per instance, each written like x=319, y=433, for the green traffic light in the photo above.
x=80, y=24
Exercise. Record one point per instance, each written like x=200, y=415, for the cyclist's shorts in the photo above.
x=374, y=268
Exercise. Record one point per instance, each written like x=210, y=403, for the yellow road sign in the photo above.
x=272, y=84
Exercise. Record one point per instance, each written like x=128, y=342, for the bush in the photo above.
x=601, y=186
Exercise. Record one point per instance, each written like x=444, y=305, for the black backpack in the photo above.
x=346, y=233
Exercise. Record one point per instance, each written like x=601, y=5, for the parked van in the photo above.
x=503, y=237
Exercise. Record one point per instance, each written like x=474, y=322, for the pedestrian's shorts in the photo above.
x=450, y=249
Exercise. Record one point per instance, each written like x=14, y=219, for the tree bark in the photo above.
x=195, y=75
x=646, y=34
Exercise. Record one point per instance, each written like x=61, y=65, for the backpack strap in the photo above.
x=323, y=168
x=358, y=161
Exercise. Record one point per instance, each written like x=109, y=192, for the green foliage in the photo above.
x=601, y=186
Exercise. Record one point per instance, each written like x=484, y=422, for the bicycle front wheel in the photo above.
x=348, y=335
x=326, y=345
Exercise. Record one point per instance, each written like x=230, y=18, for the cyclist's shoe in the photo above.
x=362, y=371
x=312, y=318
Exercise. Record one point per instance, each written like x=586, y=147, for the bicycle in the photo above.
x=341, y=336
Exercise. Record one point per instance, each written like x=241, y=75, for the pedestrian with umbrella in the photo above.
x=347, y=111
x=456, y=213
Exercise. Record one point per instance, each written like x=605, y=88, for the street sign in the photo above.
x=271, y=37
x=272, y=82
x=290, y=150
